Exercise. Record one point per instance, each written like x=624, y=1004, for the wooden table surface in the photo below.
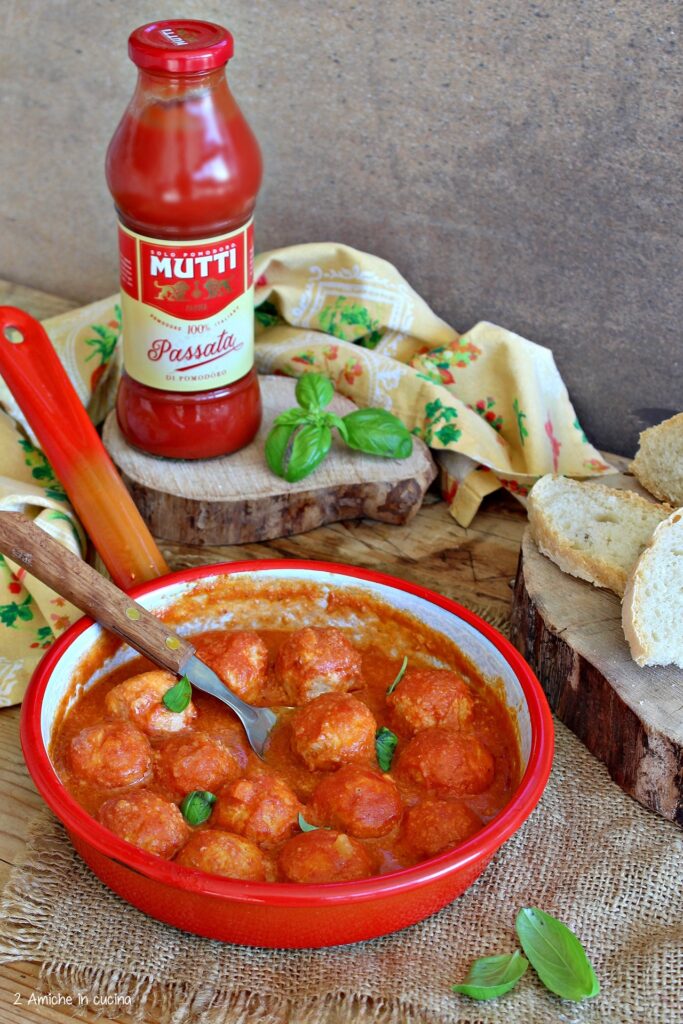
x=475, y=565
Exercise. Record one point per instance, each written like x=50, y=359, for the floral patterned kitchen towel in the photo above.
x=490, y=404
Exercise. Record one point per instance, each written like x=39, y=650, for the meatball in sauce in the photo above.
x=332, y=730
x=222, y=853
x=111, y=755
x=447, y=761
x=359, y=801
x=241, y=661
x=324, y=856
x=140, y=701
x=315, y=661
x=434, y=825
x=261, y=807
x=147, y=821
x=431, y=696
x=197, y=761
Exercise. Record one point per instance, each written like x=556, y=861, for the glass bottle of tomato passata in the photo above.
x=184, y=169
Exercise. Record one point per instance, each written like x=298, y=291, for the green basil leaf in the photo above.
x=314, y=391
x=385, y=745
x=311, y=444
x=291, y=417
x=304, y=826
x=493, y=976
x=378, y=432
x=556, y=955
x=277, y=443
x=331, y=419
x=197, y=806
x=399, y=677
x=179, y=696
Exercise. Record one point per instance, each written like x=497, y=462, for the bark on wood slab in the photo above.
x=237, y=500
x=631, y=718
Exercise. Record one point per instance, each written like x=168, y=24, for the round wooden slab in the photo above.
x=631, y=718
x=237, y=500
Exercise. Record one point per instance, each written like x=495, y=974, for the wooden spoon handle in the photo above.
x=74, y=579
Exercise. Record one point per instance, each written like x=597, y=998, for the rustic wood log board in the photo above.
x=237, y=500
x=631, y=718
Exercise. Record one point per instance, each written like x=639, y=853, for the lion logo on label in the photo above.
x=175, y=292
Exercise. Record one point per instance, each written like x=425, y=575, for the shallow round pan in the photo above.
x=284, y=914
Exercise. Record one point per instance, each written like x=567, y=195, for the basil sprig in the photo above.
x=197, y=806
x=556, y=955
x=301, y=437
x=179, y=696
x=493, y=976
x=385, y=745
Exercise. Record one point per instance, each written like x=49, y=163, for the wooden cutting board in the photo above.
x=237, y=500
x=631, y=718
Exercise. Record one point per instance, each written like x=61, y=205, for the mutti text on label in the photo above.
x=199, y=264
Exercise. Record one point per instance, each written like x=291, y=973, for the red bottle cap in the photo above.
x=180, y=46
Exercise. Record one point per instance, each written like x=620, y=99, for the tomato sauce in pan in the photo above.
x=446, y=779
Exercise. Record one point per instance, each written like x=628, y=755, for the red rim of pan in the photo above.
x=482, y=845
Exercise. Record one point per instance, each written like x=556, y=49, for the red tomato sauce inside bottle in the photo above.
x=184, y=169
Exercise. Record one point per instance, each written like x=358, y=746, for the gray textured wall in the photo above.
x=519, y=162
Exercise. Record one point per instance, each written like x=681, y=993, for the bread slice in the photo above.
x=594, y=532
x=659, y=460
x=652, y=612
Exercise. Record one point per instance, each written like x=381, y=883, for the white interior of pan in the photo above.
x=481, y=651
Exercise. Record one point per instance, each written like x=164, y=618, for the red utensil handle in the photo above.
x=43, y=391
x=74, y=579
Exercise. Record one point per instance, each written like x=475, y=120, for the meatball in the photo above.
x=198, y=761
x=332, y=730
x=448, y=761
x=426, y=697
x=111, y=755
x=241, y=661
x=358, y=801
x=324, y=856
x=262, y=808
x=222, y=853
x=146, y=820
x=434, y=825
x=139, y=699
x=314, y=661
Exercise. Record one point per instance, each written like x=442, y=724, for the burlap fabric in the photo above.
x=589, y=854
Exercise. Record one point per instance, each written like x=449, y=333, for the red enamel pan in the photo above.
x=284, y=914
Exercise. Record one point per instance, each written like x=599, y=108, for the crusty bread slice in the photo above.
x=594, y=532
x=652, y=612
x=659, y=460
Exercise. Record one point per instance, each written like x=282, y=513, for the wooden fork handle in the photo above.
x=74, y=579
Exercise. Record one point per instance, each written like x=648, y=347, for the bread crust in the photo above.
x=632, y=603
x=628, y=619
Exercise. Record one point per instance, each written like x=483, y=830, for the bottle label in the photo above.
x=188, y=309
